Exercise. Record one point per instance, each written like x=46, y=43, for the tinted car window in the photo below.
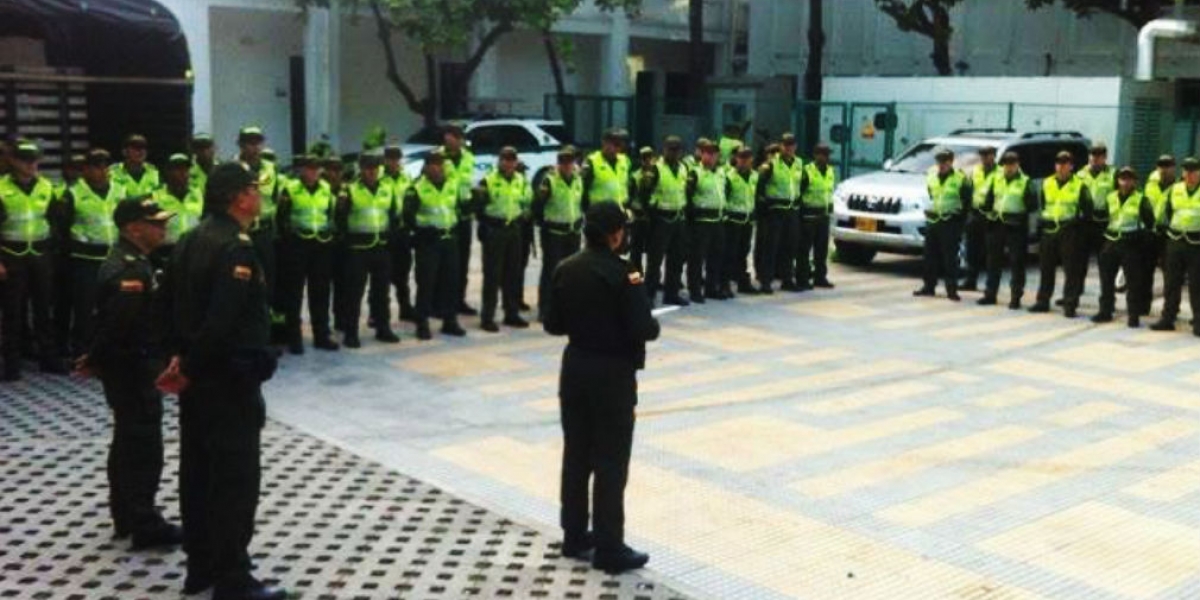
x=920, y=157
x=1037, y=160
x=491, y=138
x=559, y=132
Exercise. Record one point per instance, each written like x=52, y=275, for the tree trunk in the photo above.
x=428, y=111
x=422, y=106
x=697, y=63
x=813, y=75
x=560, y=87
x=941, y=41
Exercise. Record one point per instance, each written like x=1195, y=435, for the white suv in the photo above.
x=884, y=211
x=537, y=142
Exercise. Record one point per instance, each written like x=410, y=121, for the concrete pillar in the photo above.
x=322, y=88
x=761, y=38
x=194, y=22
x=614, y=50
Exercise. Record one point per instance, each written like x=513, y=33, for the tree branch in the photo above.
x=485, y=44
x=383, y=30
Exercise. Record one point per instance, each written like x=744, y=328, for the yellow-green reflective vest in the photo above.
x=507, y=198
x=671, y=192
x=1185, y=209
x=982, y=182
x=460, y=174
x=148, y=183
x=398, y=182
x=309, y=216
x=742, y=188
x=710, y=193
x=564, y=207
x=1009, y=195
x=268, y=183
x=1062, y=200
x=371, y=213
x=820, y=186
x=25, y=220
x=438, y=208
x=785, y=179
x=945, y=197
x=1157, y=194
x=1124, y=216
x=187, y=211
x=726, y=146
x=1099, y=186
x=197, y=177
x=93, y=223
x=609, y=183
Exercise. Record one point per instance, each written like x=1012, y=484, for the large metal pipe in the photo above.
x=1153, y=31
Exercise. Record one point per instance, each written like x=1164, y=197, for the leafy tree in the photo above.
x=1134, y=12
x=930, y=18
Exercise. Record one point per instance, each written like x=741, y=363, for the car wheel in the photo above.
x=853, y=254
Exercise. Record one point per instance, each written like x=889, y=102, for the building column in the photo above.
x=194, y=23
x=322, y=85
x=614, y=52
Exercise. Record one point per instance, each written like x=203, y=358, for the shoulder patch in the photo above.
x=242, y=272
x=635, y=278
x=134, y=286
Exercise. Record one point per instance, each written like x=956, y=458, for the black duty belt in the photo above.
x=562, y=228
x=711, y=214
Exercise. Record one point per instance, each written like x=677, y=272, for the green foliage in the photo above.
x=918, y=16
x=375, y=137
x=1134, y=12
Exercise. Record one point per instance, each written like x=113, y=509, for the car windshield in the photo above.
x=920, y=157
x=559, y=132
x=427, y=135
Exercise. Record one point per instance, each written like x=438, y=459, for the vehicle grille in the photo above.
x=874, y=204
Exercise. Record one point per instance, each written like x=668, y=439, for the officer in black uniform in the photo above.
x=639, y=229
x=306, y=263
x=598, y=301
x=221, y=325
x=1007, y=206
x=126, y=354
x=943, y=234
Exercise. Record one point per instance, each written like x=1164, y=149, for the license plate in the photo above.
x=870, y=225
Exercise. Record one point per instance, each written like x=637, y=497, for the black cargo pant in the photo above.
x=975, y=238
x=1183, y=266
x=437, y=275
x=706, y=258
x=738, y=237
x=558, y=242
x=639, y=234
x=1128, y=254
x=306, y=262
x=401, y=247
x=666, y=244
x=220, y=426
x=1155, y=260
x=1061, y=247
x=942, y=241
x=1092, y=244
x=502, y=273
x=375, y=264
x=814, y=243
x=597, y=396
x=30, y=283
x=340, y=286
x=780, y=242
x=135, y=456
x=465, y=232
x=1006, y=243
x=266, y=246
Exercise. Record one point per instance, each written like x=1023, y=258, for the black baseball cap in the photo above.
x=136, y=140
x=139, y=208
x=227, y=179
x=615, y=134
x=435, y=157
x=99, y=157
x=986, y=150
x=251, y=134
x=706, y=145
x=672, y=141
x=1010, y=157
x=943, y=154
x=75, y=161
x=566, y=154
x=787, y=139
x=301, y=161
x=27, y=151
x=201, y=141
x=822, y=148
x=508, y=152
x=744, y=150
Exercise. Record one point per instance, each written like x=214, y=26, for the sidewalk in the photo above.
x=330, y=524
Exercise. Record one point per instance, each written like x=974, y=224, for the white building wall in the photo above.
x=368, y=99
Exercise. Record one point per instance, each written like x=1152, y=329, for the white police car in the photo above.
x=537, y=142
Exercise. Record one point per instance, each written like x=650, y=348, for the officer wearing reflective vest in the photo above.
x=180, y=198
x=27, y=204
x=368, y=212
x=1010, y=199
x=665, y=191
x=1066, y=205
x=779, y=190
x=739, y=222
x=134, y=174
x=1181, y=214
x=503, y=200
x=949, y=201
x=333, y=172
x=706, y=226
x=459, y=166
x=401, y=242
x=86, y=220
x=816, y=208
x=431, y=212
x=72, y=170
x=638, y=232
x=263, y=231
x=731, y=140
x=558, y=212
x=606, y=172
x=1100, y=179
x=1158, y=184
x=204, y=156
x=1127, y=237
x=983, y=177
x=306, y=222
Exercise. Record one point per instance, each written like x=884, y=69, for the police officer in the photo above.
x=263, y=231
x=459, y=168
x=779, y=193
x=739, y=222
x=503, y=200
x=557, y=211
x=1066, y=204
x=430, y=211
x=401, y=242
x=606, y=172
x=1158, y=186
x=368, y=214
x=1100, y=180
x=1009, y=201
x=72, y=170
x=334, y=172
x=983, y=177
x=665, y=191
x=1127, y=233
x=221, y=324
x=639, y=227
x=706, y=226
x=86, y=219
x=182, y=199
x=950, y=199
x=597, y=301
x=1181, y=214
x=306, y=222
x=27, y=256
x=816, y=208
x=127, y=355
x=731, y=139
x=204, y=155
x=134, y=174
